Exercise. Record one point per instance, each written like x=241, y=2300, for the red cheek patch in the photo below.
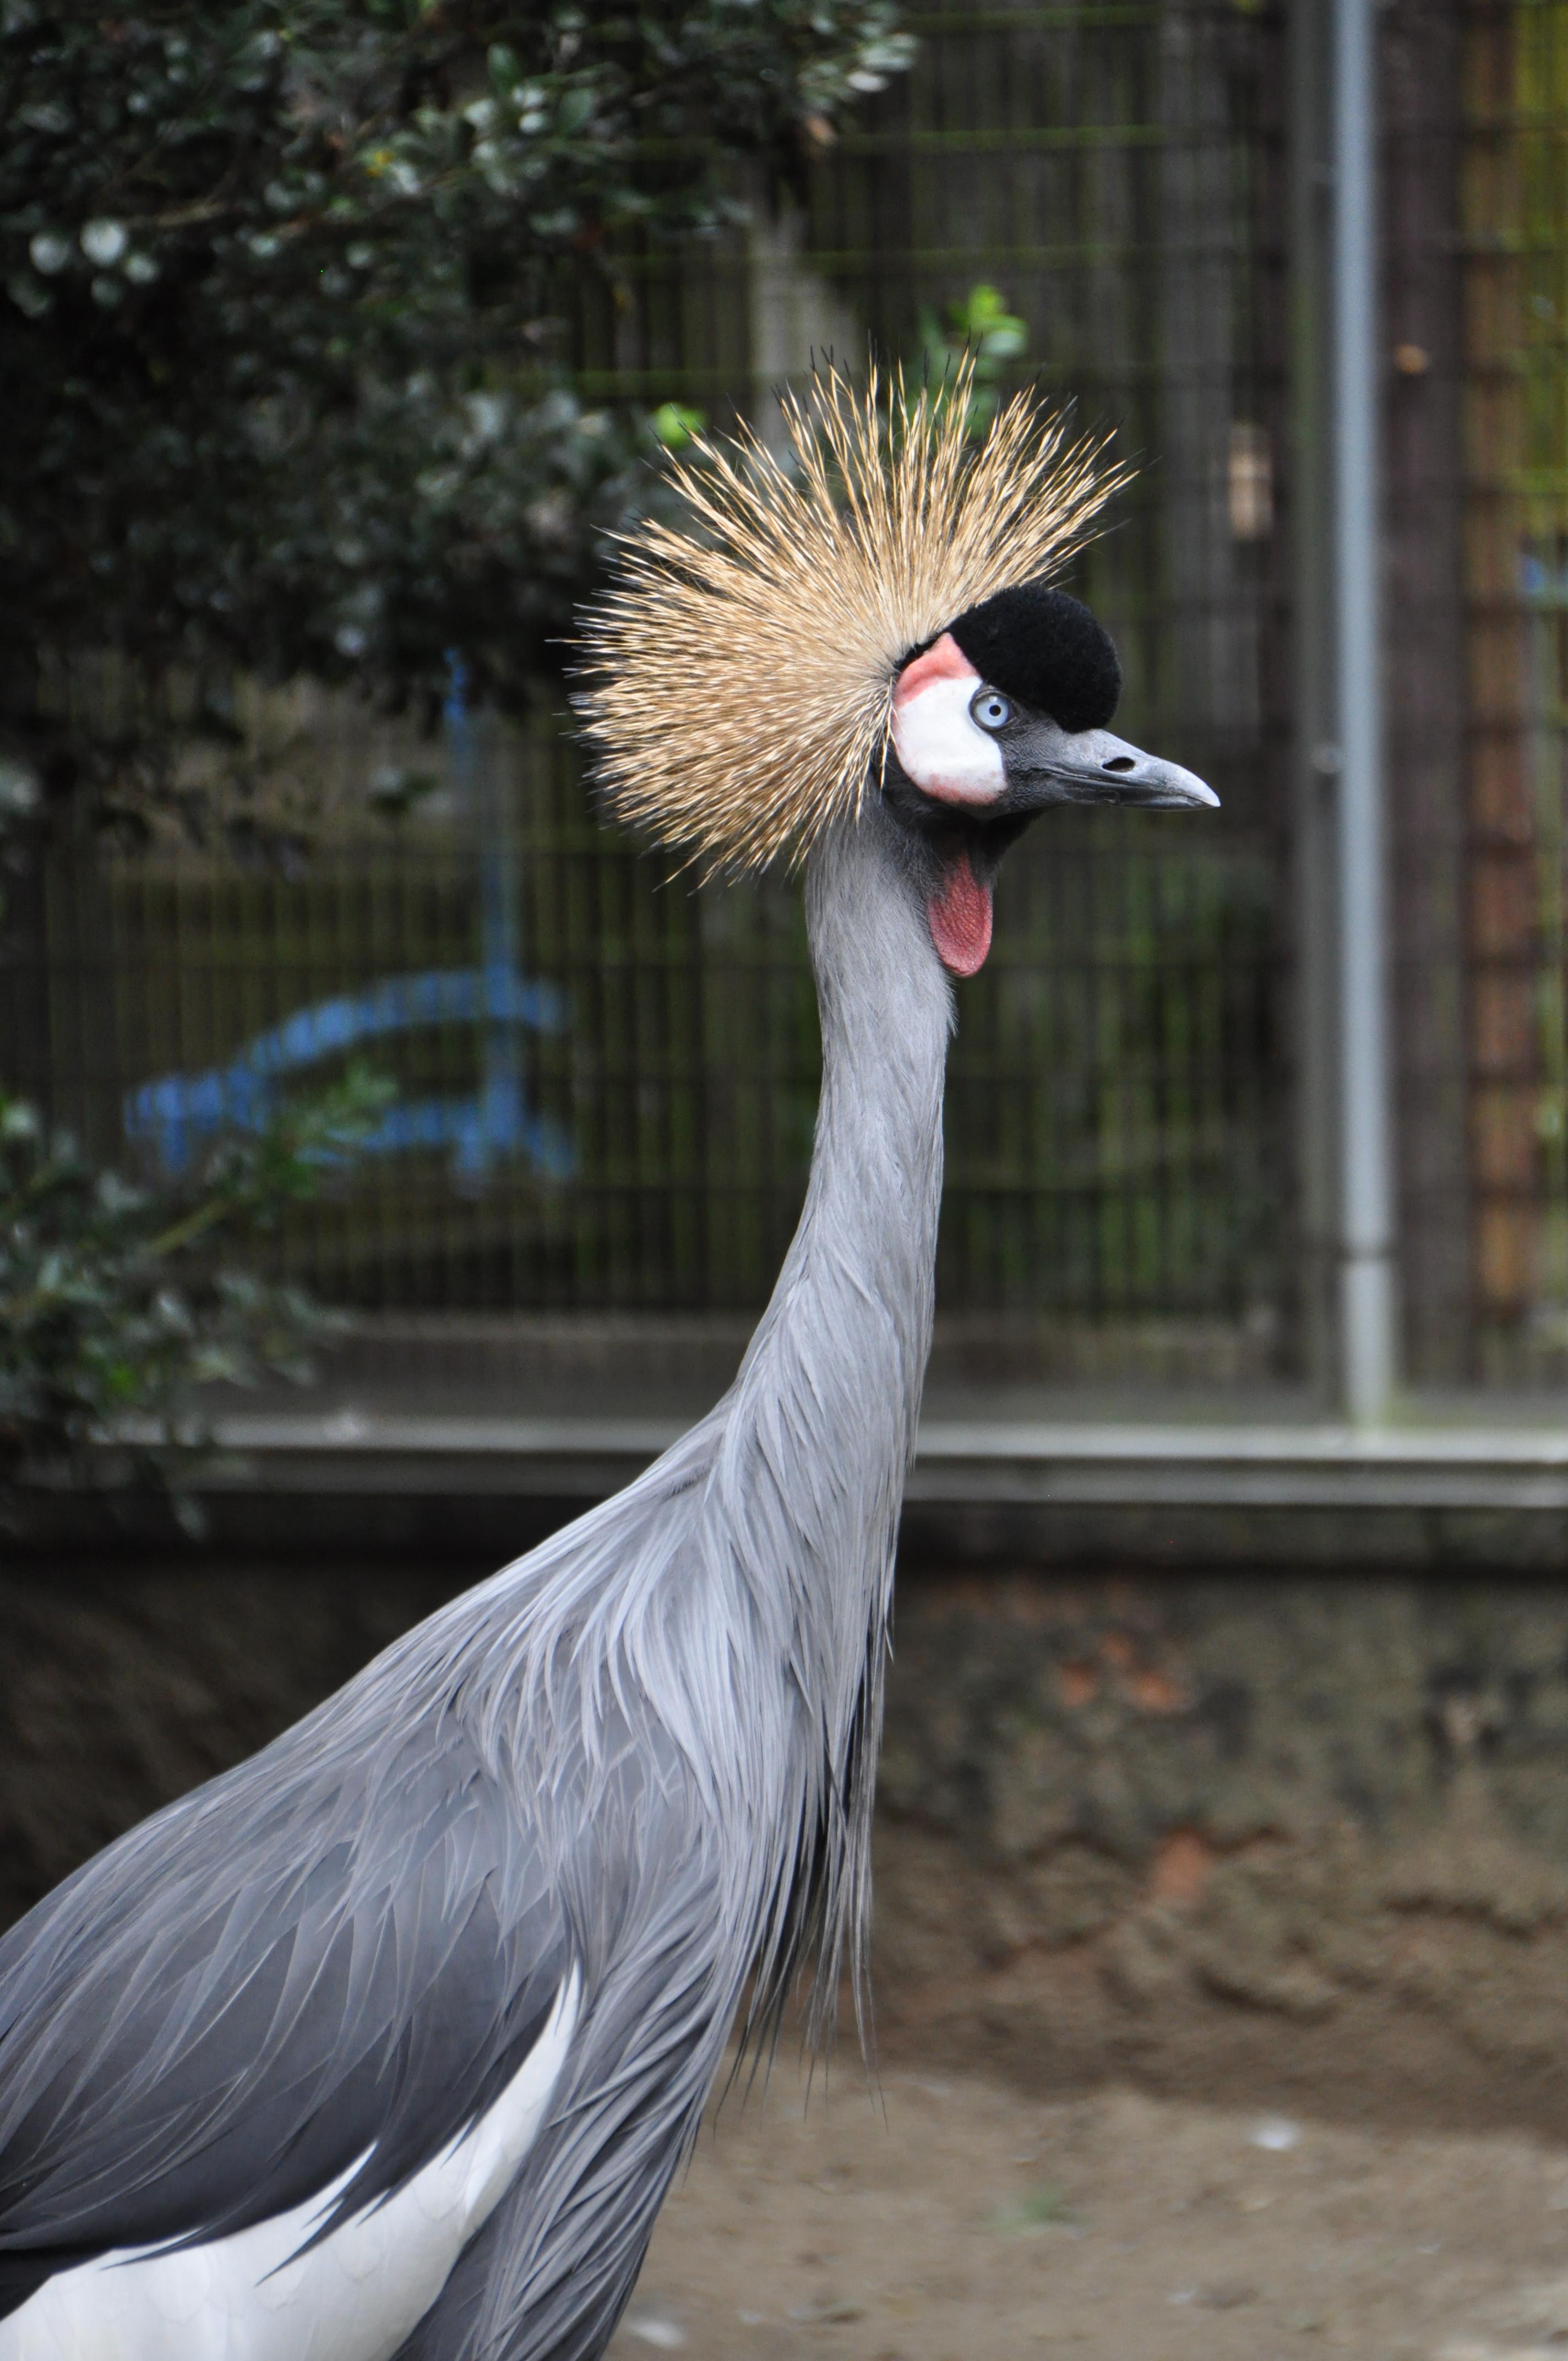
x=943, y=660
x=958, y=915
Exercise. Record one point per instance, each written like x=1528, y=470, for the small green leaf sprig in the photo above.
x=113, y=1304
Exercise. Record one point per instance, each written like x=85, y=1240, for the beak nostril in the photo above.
x=1120, y=762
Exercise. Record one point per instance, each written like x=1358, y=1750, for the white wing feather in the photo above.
x=254, y=2296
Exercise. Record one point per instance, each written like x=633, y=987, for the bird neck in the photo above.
x=743, y=1586
x=868, y=1231
x=807, y=1483
x=823, y=1414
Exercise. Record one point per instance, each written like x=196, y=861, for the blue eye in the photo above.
x=991, y=709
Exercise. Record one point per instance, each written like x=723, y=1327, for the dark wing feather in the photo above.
x=347, y=1945
x=547, y=2276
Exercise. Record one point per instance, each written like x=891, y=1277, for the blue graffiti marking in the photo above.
x=172, y=1113
x=1543, y=582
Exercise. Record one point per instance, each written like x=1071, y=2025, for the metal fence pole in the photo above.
x=1367, y=1352
x=1347, y=1196
x=1316, y=964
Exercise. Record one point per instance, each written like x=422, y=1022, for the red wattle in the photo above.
x=960, y=919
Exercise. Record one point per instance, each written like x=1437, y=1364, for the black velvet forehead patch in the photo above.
x=1045, y=649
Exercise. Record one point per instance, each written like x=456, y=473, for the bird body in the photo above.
x=386, y=2045
x=533, y=1852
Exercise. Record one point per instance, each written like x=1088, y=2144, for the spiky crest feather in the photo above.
x=740, y=675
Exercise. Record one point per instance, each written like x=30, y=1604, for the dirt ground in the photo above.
x=957, y=2220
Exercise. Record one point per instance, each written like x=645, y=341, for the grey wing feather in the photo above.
x=547, y=2278
x=219, y=2014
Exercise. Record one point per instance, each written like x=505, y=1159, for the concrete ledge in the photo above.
x=979, y=1492
x=1244, y=1467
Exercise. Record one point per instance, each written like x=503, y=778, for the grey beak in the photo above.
x=1047, y=765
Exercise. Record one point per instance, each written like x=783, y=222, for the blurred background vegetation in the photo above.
x=290, y=389
x=287, y=398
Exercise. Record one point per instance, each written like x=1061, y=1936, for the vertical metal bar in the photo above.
x=1315, y=965
x=1346, y=1162
x=1367, y=1214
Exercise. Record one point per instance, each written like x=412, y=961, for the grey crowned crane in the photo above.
x=389, y=2041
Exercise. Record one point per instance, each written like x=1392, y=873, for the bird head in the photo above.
x=866, y=619
x=1000, y=716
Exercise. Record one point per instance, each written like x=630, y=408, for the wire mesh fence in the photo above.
x=1475, y=100
x=1516, y=425
x=606, y=1081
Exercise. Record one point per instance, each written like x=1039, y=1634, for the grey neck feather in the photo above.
x=742, y=1587
x=820, y=1425
x=822, y=1415
x=869, y=1226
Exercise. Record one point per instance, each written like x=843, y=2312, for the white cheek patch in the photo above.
x=942, y=749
